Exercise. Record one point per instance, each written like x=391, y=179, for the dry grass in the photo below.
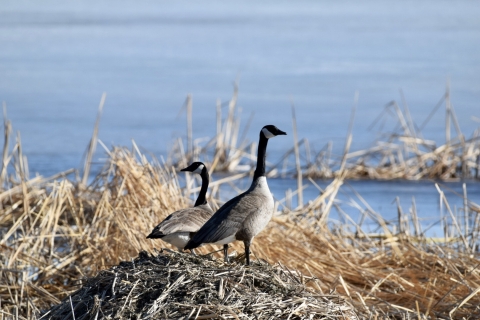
x=180, y=286
x=227, y=151
x=53, y=235
x=401, y=151
x=55, y=231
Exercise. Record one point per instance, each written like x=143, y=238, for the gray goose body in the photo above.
x=244, y=216
x=180, y=226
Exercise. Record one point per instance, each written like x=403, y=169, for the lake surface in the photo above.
x=56, y=59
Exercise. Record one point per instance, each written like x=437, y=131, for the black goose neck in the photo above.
x=203, y=190
x=261, y=153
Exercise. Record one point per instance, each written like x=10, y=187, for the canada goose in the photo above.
x=244, y=216
x=179, y=227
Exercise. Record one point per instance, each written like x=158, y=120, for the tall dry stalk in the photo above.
x=93, y=143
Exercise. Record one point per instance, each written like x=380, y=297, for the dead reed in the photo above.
x=174, y=285
x=57, y=234
x=401, y=151
x=227, y=151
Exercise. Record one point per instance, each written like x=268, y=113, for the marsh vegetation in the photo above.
x=60, y=232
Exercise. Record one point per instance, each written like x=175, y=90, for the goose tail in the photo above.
x=155, y=234
x=192, y=245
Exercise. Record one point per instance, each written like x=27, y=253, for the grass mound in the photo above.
x=174, y=285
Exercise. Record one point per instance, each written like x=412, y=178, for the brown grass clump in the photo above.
x=391, y=277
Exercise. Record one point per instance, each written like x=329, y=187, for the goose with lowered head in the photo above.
x=179, y=227
x=244, y=216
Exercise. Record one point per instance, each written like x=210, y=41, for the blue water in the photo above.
x=57, y=58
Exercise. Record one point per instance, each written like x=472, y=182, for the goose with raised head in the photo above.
x=179, y=227
x=244, y=216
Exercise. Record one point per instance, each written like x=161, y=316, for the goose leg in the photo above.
x=225, y=253
x=247, y=252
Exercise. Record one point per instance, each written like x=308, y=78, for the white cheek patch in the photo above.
x=267, y=133
x=199, y=169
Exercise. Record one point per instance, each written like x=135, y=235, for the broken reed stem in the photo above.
x=297, y=159
x=466, y=217
x=189, y=127
x=447, y=113
x=416, y=222
x=7, y=127
x=454, y=220
x=93, y=143
x=401, y=218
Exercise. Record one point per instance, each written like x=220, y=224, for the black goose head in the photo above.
x=196, y=167
x=270, y=131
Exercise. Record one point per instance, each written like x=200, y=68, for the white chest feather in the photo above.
x=261, y=189
x=264, y=205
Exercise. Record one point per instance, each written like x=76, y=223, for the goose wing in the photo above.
x=225, y=222
x=185, y=220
